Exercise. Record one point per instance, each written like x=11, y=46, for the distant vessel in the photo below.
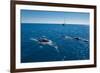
x=64, y=22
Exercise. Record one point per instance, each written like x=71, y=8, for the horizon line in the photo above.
x=56, y=23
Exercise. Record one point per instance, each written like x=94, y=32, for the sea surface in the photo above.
x=68, y=49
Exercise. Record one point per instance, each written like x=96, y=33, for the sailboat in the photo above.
x=64, y=22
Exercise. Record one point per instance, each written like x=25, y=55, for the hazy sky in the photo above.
x=33, y=16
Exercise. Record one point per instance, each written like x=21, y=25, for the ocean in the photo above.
x=68, y=48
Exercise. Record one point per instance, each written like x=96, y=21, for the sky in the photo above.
x=34, y=16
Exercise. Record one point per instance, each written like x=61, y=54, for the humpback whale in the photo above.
x=76, y=38
x=45, y=41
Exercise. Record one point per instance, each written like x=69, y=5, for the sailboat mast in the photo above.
x=64, y=22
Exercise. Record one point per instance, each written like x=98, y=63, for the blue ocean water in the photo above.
x=69, y=49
